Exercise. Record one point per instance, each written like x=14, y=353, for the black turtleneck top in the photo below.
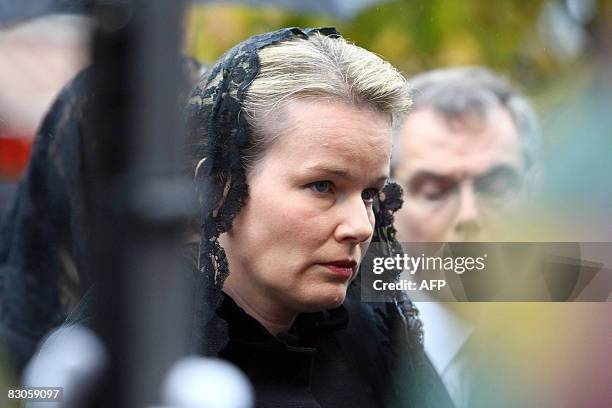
x=309, y=366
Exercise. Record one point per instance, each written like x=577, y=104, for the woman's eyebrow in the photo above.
x=341, y=172
x=324, y=168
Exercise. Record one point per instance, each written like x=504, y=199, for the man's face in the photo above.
x=459, y=176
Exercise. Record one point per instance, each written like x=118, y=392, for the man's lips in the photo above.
x=344, y=267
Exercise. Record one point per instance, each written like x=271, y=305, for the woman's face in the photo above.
x=308, y=219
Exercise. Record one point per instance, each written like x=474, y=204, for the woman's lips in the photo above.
x=345, y=269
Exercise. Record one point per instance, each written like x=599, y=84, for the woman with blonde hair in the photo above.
x=290, y=143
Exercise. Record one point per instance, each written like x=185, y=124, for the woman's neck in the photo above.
x=258, y=307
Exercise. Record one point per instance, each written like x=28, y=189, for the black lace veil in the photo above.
x=218, y=132
x=44, y=267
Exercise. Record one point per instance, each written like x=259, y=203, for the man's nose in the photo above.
x=467, y=224
x=355, y=222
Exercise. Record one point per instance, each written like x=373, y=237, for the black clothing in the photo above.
x=306, y=367
x=345, y=357
x=42, y=241
x=44, y=267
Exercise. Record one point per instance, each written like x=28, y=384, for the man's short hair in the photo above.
x=455, y=92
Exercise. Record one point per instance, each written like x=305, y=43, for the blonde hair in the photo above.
x=320, y=67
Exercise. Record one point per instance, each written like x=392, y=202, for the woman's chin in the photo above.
x=324, y=300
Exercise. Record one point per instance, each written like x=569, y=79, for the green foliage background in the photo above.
x=417, y=35
x=571, y=95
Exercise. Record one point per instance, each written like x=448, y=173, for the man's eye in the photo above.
x=369, y=194
x=434, y=191
x=498, y=186
x=501, y=182
x=321, y=186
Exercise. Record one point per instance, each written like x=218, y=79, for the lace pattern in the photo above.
x=218, y=132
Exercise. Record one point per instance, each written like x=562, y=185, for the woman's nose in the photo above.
x=356, y=221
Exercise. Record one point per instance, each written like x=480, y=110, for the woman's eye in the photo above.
x=369, y=195
x=321, y=186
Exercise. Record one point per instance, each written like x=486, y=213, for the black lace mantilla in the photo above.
x=218, y=132
x=44, y=261
x=43, y=266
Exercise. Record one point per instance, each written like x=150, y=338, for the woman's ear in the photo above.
x=200, y=163
x=225, y=189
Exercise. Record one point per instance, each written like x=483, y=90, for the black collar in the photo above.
x=246, y=329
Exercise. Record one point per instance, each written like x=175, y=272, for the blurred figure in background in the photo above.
x=462, y=155
x=44, y=267
x=37, y=57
